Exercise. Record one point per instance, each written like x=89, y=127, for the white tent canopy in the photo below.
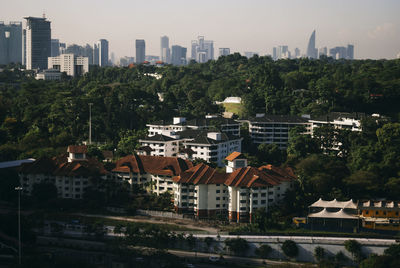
x=350, y=204
x=332, y=215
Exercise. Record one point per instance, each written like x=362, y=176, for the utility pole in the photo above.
x=19, y=189
x=90, y=123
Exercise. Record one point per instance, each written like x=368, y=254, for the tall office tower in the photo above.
x=338, y=52
x=24, y=47
x=63, y=47
x=55, y=47
x=312, y=52
x=95, y=54
x=10, y=42
x=77, y=50
x=296, y=53
x=350, y=52
x=102, y=52
x=178, y=55
x=203, y=47
x=283, y=52
x=38, y=42
x=322, y=51
x=165, y=51
x=140, y=51
x=274, y=53
x=224, y=51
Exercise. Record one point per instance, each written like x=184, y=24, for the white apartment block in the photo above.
x=350, y=121
x=48, y=75
x=153, y=172
x=69, y=173
x=237, y=193
x=70, y=64
x=209, y=146
x=275, y=128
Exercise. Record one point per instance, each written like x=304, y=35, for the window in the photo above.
x=217, y=198
x=376, y=212
x=263, y=194
x=263, y=202
x=218, y=205
x=217, y=184
x=367, y=212
x=255, y=195
x=217, y=191
x=243, y=208
x=242, y=201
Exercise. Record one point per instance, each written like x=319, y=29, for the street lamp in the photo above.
x=19, y=189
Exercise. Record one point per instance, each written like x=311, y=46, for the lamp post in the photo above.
x=19, y=189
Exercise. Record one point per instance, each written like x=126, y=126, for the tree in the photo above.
x=209, y=241
x=238, y=245
x=354, y=247
x=271, y=154
x=263, y=251
x=319, y=253
x=290, y=248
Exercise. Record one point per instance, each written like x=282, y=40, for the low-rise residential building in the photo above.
x=49, y=75
x=236, y=193
x=275, y=128
x=380, y=215
x=156, y=172
x=350, y=121
x=71, y=173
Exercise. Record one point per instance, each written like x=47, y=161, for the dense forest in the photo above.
x=39, y=118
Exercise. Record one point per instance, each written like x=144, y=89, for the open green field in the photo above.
x=236, y=108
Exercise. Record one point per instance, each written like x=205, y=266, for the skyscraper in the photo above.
x=202, y=50
x=178, y=55
x=55, y=47
x=140, y=50
x=350, y=52
x=38, y=42
x=224, y=51
x=274, y=53
x=312, y=52
x=101, y=53
x=296, y=53
x=165, y=51
x=10, y=42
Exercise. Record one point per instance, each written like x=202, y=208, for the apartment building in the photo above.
x=191, y=144
x=236, y=193
x=156, y=172
x=350, y=121
x=70, y=172
x=275, y=128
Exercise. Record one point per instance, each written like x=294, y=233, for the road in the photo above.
x=232, y=259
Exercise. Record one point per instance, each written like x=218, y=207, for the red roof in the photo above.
x=234, y=156
x=59, y=166
x=201, y=174
x=157, y=165
x=77, y=149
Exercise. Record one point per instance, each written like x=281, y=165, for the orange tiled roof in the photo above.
x=157, y=165
x=77, y=149
x=234, y=155
x=201, y=174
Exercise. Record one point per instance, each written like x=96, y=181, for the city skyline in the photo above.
x=371, y=26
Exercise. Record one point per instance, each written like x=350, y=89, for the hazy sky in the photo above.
x=373, y=26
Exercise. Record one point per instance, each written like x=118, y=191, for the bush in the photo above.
x=290, y=248
x=263, y=251
x=238, y=246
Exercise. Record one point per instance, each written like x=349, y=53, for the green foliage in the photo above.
x=390, y=258
x=263, y=251
x=290, y=248
x=271, y=154
x=354, y=248
x=238, y=246
x=319, y=253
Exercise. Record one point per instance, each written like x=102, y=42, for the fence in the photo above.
x=162, y=214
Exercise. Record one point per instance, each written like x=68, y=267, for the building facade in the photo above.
x=100, y=53
x=178, y=55
x=11, y=42
x=224, y=51
x=165, y=52
x=69, y=63
x=140, y=51
x=202, y=50
x=38, y=43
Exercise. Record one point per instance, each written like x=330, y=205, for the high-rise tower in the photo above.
x=10, y=42
x=140, y=50
x=165, y=50
x=102, y=52
x=312, y=52
x=38, y=42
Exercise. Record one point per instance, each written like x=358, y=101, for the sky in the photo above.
x=373, y=26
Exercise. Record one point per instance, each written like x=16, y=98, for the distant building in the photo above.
x=152, y=59
x=178, y=55
x=55, y=47
x=398, y=55
x=323, y=51
x=140, y=51
x=38, y=43
x=69, y=63
x=342, y=52
x=202, y=50
x=312, y=52
x=350, y=52
x=48, y=75
x=11, y=42
x=249, y=54
x=224, y=51
x=296, y=53
x=165, y=50
x=100, y=53
x=125, y=61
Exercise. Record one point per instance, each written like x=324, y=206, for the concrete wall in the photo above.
x=306, y=245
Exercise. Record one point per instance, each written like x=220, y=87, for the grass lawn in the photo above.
x=236, y=108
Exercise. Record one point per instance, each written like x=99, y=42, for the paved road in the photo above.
x=231, y=259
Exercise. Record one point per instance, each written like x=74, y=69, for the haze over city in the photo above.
x=373, y=27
